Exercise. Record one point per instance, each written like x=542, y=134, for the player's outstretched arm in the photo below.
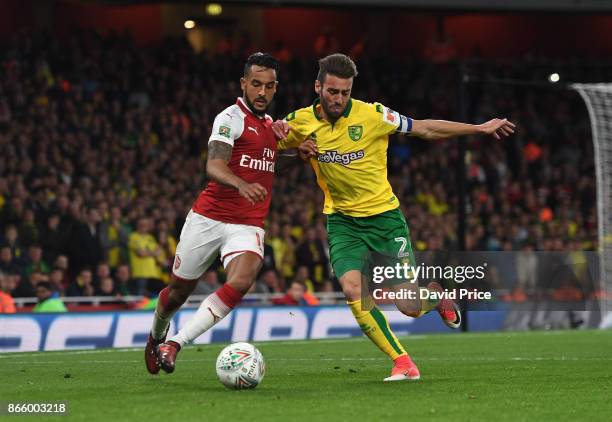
x=439, y=129
x=219, y=154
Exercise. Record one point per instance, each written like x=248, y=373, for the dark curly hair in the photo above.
x=260, y=59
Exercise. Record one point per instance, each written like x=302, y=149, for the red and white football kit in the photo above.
x=221, y=221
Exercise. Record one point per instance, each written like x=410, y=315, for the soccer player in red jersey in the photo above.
x=227, y=218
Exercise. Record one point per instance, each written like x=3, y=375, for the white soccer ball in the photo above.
x=240, y=366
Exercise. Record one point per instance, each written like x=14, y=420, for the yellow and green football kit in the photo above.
x=351, y=169
x=363, y=212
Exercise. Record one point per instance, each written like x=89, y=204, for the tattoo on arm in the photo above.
x=219, y=155
x=220, y=150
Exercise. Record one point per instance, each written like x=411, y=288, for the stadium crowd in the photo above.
x=103, y=143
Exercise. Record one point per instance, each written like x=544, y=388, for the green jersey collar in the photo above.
x=317, y=101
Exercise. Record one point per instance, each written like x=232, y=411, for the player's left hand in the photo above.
x=499, y=128
x=280, y=128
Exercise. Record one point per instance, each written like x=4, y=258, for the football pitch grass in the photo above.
x=558, y=375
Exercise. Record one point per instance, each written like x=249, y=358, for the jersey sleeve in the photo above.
x=390, y=121
x=294, y=137
x=227, y=127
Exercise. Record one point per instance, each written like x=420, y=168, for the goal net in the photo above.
x=598, y=99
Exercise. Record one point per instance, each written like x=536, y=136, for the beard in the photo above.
x=255, y=111
x=332, y=115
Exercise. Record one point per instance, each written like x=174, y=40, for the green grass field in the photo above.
x=501, y=376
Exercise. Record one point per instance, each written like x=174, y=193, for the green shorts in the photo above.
x=353, y=239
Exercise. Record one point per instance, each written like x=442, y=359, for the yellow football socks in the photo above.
x=374, y=324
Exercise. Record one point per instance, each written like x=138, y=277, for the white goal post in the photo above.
x=598, y=99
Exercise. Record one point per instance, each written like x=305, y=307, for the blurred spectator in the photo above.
x=102, y=271
x=208, y=284
x=167, y=244
x=58, y=280
x=311, y=254
x=288, y=255
x=144, y=252
x=123, y=281
x=114, y=235
x=35, y=263
x=106, y=287
x=302, y=275
x=62, y=263
x=52, y=239
x=7, y=304
x=12, y=212
x=82, y=285
x=28, y=231
x=11, y=240
x=84, y=246
x=279, y=248
x=297, y=296
x=267, y=282
x=328, y=287
x=47, y=299
x=7, y=264
x=13, y=281
x=269, y=260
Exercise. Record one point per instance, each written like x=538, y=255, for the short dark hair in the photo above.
x=338, y=65
x=260, y=59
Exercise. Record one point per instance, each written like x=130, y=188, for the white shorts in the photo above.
x=203, y=239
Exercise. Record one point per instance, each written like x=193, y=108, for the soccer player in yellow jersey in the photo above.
x=347, y=141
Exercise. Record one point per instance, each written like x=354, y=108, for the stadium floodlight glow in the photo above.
x=554, y=77
x=189, y=24
x=213, y=9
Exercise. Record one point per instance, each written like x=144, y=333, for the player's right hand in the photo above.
x=308, y=149
x=253, y=192
x=281, y=129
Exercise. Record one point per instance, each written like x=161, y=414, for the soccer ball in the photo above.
x=240, y=366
